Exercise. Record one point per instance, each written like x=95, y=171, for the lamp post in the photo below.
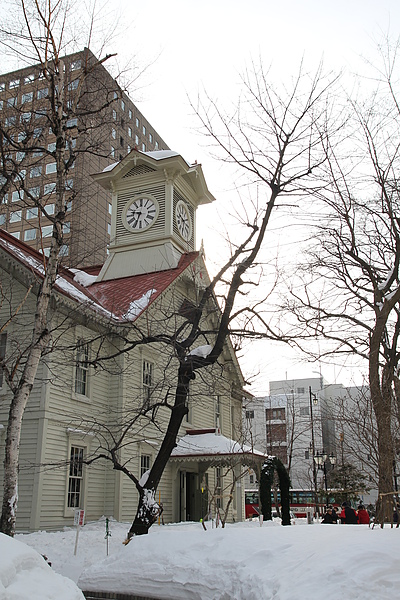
x=321, y=459
x=313, y=400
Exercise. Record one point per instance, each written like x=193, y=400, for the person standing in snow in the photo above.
x=330, y=516
x=348, y=516
x=362, y=514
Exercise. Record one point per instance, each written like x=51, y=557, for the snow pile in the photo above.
x=25, y=574
x=202, y=351
x=83, y=278
x=137, y=306
x=241, y=562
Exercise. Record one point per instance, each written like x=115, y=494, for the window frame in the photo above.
x=82, y=372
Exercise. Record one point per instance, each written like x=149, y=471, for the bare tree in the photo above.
x=347, y=291
x=40, y=36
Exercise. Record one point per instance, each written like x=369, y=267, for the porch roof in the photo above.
x=211, y=446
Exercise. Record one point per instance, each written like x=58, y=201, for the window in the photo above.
x=3, y=344
x=32, y=213
x=75, y=478
x=128, y=148
x=147, y=379
x=249, y=414
x=39, y=113
x=10, y=121
x=109, y=229
x=19, y=156
x=114, y=114
x=35, y=172
x=130, y=131
x=218, y=486
x=34, y=192
x=82, y=368
x=29, y=234
x=29, y=78
x=109, y=208
x=136, y=140
x=37, y=132
x=64, y=250
x=16, y=234
x=1, y=104
x=113, y=134
x=150, y=138
x=156, y=145
x=4, y=199
x=144, y=463
x=49, y=188
x=122, y=105
x=137, y=123
x=143, y=147
x=15, y=216
x=144, y=130
x=121, y=141
x=217, y=406
x=75, y=65
x=130, y=114
x=68, y=206
x=69, y=184
x=51, y=168
x=47, y=231
x=112, y=151
x=72, y=122
x=13, y=84
x=43, y=93
x=27, y=97
x=300, y=390
x=51, y=147
x=12, y=102
x=50, y=208
x=67, y=227
x=2, y=87
x=2, y=219
x=73, y=85
x=304, y=411
x=26, y=117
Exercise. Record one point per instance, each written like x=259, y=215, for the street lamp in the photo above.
x=313, y=400
x=321, y=460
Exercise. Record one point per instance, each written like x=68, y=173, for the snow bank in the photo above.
x=25, y=574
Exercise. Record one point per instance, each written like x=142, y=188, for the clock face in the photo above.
x=140, y=213
x=183, y=221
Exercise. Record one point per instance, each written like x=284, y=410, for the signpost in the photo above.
x=79, y=519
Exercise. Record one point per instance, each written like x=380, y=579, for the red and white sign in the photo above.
x=79, y=517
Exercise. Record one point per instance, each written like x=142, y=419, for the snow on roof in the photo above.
x=160, y=154
x=211, y=444
x=120, y=300
x=110, y=167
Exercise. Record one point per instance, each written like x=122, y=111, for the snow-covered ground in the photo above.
x=241, y=562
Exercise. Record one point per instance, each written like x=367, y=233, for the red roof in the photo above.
x=112, y=298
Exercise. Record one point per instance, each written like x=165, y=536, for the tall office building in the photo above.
x=98, y=139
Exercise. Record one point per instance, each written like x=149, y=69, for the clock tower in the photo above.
x=155, y=196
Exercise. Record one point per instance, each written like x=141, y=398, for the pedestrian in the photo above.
x=348, y=516
x=362, y=514
x=330, y=516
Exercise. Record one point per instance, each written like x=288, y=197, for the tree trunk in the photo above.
x=148, y=510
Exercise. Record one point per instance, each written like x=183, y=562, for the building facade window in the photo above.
x=35, y=172
x=49, y=188
x=82, y=368
x=17, y=195
x=217, y=411
x=32, y=213
x=51, y=168
x=249, y=414
x=29, y=235
x=27, y=97
x=3, y=345
x=147, y=379
x=15, y=216
x=218, y=486
x=75, y=478
x=144, y=463
x=47, y=231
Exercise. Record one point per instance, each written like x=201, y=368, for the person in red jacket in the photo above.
x=348, y=516
x=362, y=514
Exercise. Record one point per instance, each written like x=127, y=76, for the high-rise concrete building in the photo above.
x=98, y=141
